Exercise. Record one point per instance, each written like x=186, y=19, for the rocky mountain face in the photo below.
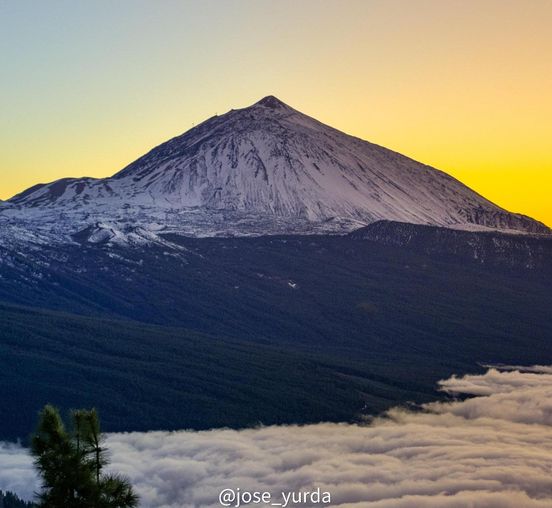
x=265, y=169
x=489, y=248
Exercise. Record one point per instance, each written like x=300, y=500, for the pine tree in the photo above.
x=71, y=463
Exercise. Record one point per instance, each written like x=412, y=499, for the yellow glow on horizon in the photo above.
x=462, y=86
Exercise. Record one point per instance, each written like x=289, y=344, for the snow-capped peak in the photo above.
x=272, y=102
x=268, y=169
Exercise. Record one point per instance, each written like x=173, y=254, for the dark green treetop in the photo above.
x=71, y=462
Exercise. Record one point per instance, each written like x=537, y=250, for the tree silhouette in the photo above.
x=71, y=463
x=11, y=500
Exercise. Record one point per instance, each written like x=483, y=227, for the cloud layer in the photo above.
x=490, y=451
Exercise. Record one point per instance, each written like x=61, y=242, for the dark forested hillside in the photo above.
x=246, y=330
x=10, y=500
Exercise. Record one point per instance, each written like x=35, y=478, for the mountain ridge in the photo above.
x=266, y=169
x=491, y=248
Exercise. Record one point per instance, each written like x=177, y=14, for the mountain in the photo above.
x=237, y=331
x=217, y=281
x=483, y=247
x=264, y=169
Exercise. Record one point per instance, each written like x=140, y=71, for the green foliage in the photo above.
x=71, y=462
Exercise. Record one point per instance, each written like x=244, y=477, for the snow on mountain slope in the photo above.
x=264, y=169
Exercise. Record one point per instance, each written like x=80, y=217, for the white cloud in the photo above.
x=539, y=369
x=16, y=473
x=490, y=451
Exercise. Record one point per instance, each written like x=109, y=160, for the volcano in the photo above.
x=268, y=169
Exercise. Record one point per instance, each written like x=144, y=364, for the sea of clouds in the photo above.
x=493, y=450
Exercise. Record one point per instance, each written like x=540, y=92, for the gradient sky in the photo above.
x=466, y=86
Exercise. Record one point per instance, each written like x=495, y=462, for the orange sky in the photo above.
x=465, y=86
